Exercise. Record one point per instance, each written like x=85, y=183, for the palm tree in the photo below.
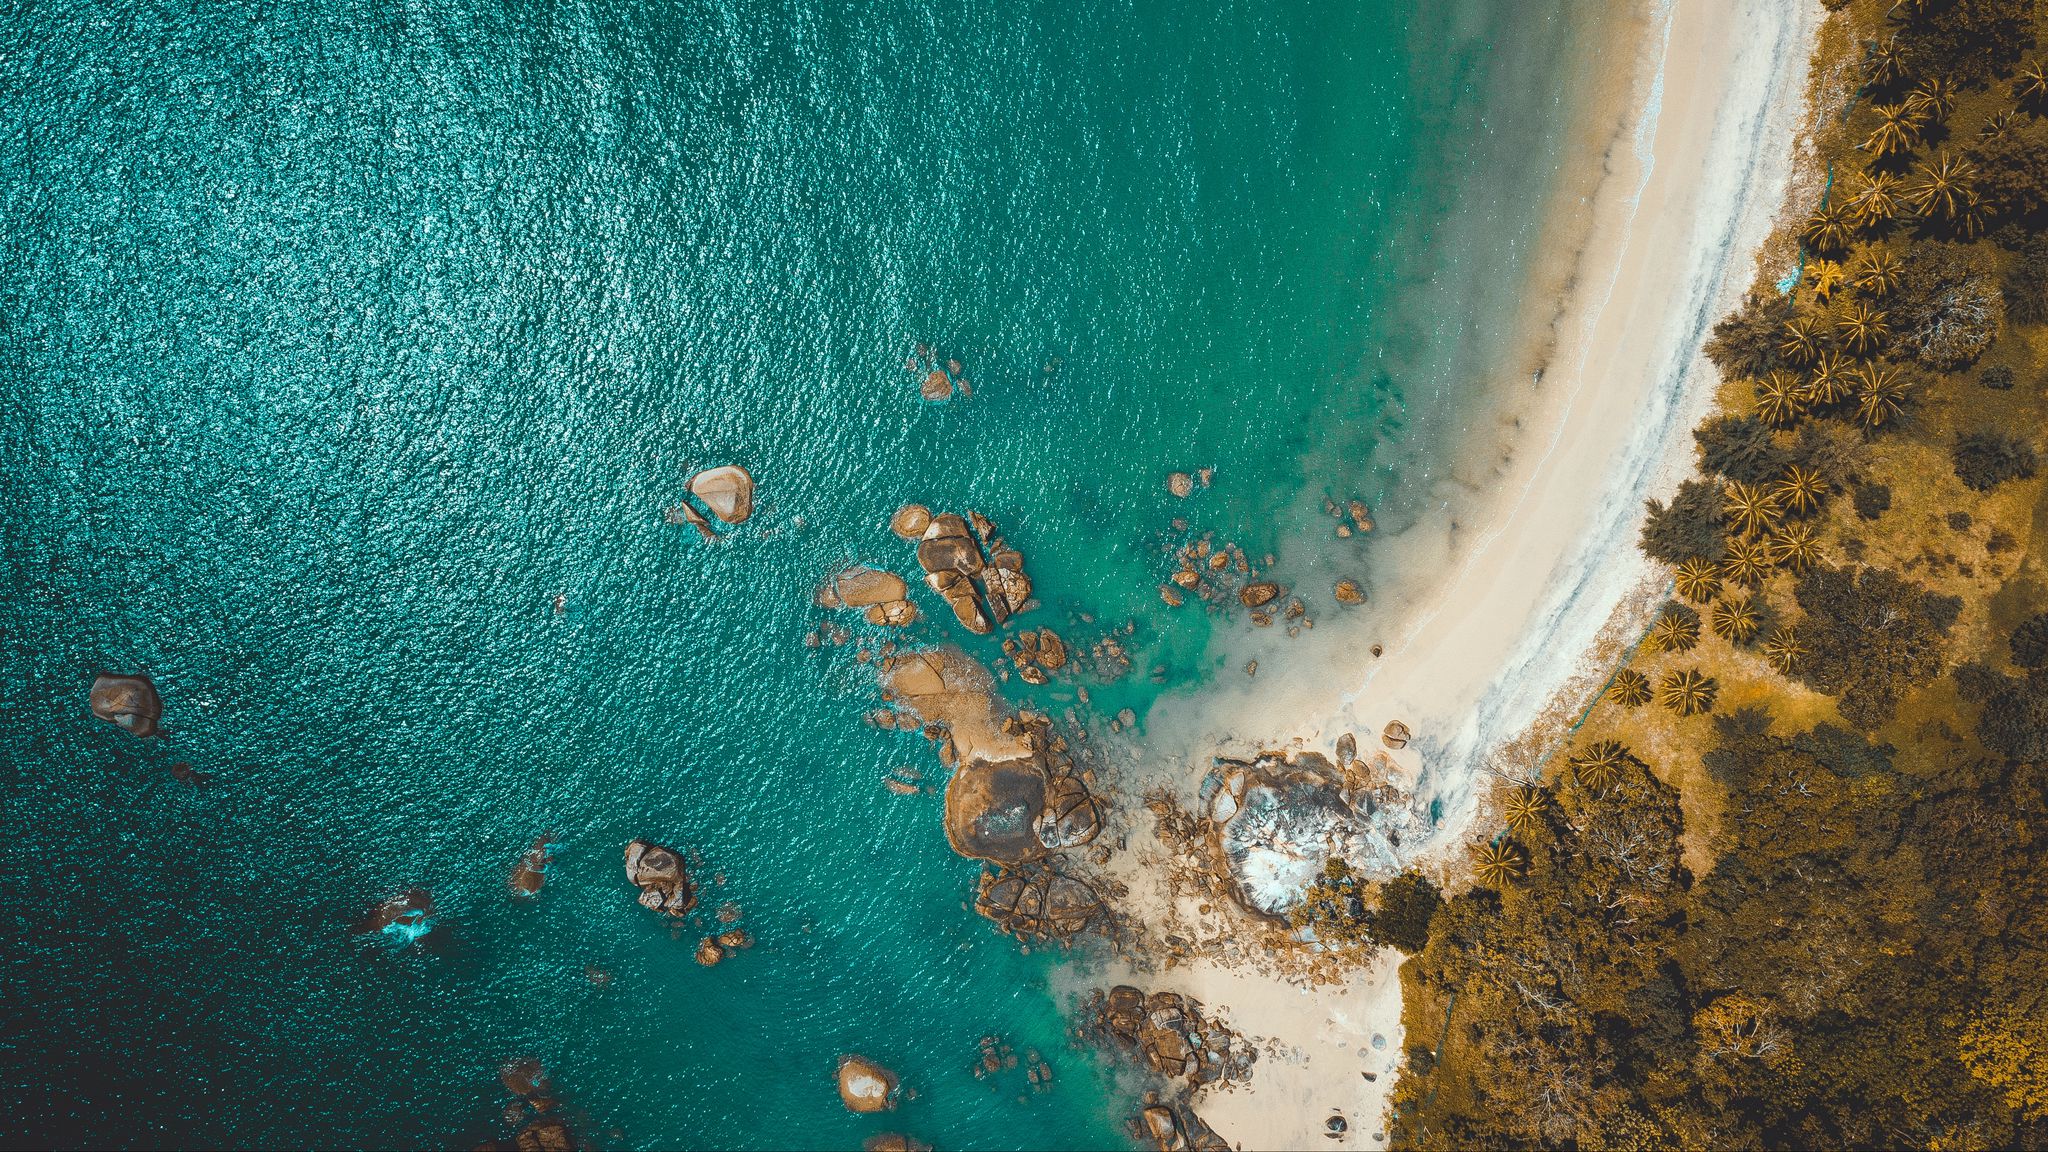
x=1687, y=692
x=1524, y=806
x=1897, y=131
x=1599, y=766
x=1674, y=632
x=1796, y=548
x=1944, y=188
x=1861, y=328
x=1751, y=508
x=1630, y=689
x=1735, y=620
x=1779, y=399
x=1784, y=650
x=1880, y=395
x=1827, y=277
x=1877, y=202
x=1886, y=64
x=1829, y=382
x=1748, y=562
x=1800, y=490
x=1877, y=271
x=1934, y=99
x=2030, y=86
x=1999, y=124
x=1697, y=580
x=1498, y=862
x=1803, y=340
x=1828, y=230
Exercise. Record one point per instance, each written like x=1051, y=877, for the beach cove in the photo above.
x=366, y=437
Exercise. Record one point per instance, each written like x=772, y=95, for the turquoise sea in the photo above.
x=339, y=339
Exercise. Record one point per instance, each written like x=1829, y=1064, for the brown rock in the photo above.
x=524, y=1076
x=1163, y=1128
x=532, y=870
x=937, y=385
x=1260, y=594
x=1347, y=592
x=910, y=521
x=866, y=1086
x=728, y=491
x=1180, y=484
x=659, y=874
x=862, y=587
x=893, y=614
x=1396, y=735
x=1171, y=596
x=545, y=1134
x=894, y=1142
x=1347, y=748
x=695, y=519
x=948, y=547
x=127, y=702
x=1052, y=651
x=708, y=952
x=735, y=939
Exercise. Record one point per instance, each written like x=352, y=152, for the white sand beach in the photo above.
x=1532, y=555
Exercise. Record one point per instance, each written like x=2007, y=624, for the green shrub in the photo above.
x=1984, y=460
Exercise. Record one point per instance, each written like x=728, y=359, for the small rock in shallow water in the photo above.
x=1348, y=592
x=937, y=385
x=1260, y=594
x=1180, y=484
x=708, y=952
x=910, y=521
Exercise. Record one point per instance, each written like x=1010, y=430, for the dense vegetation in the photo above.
x=1850, y=947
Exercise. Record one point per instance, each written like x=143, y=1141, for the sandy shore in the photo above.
x=1685, y=154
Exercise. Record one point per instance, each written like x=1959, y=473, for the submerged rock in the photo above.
x=532, y=870
x=894, y=1142
x=1348, y=592
x=659, y=874
x=1180, y=484
x=127, y=702
x=862, y=587
x=866, y=1086
x=406, y=918
x=728, y=491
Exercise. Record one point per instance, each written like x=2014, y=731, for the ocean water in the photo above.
x=339, y=340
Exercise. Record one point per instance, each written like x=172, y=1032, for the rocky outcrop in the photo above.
x=127, y=702
x=728, y=491
x=978, y=576
x=866, y=1086
x=880, y=594
x=1021, y=807
x=1032, y=901
x=1259, y=594
x=1348, y=592
x=1277, y=820
x=1167, y=1033
x=893, y=1142
x=659, y=874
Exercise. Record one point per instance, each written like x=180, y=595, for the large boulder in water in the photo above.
x=993, y=810
x=128, y=702
x=728, y=491
x=866, y=1086
x=659, y=874
x=861, y=587
x=949, y=547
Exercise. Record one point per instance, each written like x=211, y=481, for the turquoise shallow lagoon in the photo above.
x=339, y=340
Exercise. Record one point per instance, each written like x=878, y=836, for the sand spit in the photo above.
x=1686, y=157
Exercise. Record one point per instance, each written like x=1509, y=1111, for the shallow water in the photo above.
x=343, y=339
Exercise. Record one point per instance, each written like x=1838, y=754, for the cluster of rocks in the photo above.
x=1035, y=902
x=1211, y=571
x=1182, y=484
x=978, y=575
x=130, y=703
x=1169, y=1035
x=663, y=881
x=1036, y=653
x=893, y=1142
x=936, y=382
x=1277, y=819
x=1174, y=1128
x=533, y=1111
x=1018, y=809
x=996, y=1056
x=865, y=1086
x=532, y=869
x=1358, y=517
x=883, y=596
x=728, y=491
x=712, y=949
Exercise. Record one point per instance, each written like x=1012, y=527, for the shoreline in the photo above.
x=1488, y=634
